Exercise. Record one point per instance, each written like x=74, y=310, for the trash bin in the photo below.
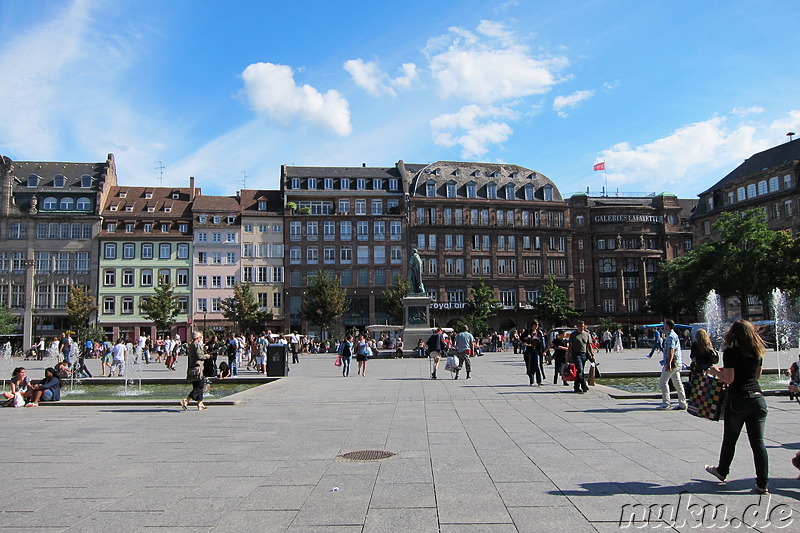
x=278, y=360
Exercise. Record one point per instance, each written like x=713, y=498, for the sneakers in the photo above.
x=760, y=490
x=679, y=408
x=664, y=406
x=714, y=472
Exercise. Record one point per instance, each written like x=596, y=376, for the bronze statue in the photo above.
x=415, y=273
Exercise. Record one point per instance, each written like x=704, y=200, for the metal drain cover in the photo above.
x=367, y=455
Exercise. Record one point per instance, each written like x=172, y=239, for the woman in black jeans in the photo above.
x=560, y=344
x=742, y=360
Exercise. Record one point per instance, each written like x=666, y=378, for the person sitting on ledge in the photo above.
x=20, y=389
x=49, y=390
x=224, y=370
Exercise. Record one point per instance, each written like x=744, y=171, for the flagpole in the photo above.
x=605, y=178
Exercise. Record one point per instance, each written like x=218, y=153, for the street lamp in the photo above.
x=205, y=322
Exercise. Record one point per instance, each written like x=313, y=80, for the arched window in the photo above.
x=83, y=204
x=49, y=204
x=67, y=204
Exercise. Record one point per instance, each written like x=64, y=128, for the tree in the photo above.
x=324, y=301
x=243, y=309
x=8, y=322
x=480, y=307
x=162, y=308
x=748, y=259
x=80, y=306
x=553, y=305
x=393, y=298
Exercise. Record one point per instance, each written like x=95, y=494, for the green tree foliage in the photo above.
x=162, y=308
x=243, y=310
x=554, y=306
x=748, y=259
x=324, y=302
x=8, y=322
x=80, y=306
x=393, y=298
x=480, y=307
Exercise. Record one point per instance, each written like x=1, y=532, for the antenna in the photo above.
x=244, y=179
x=791, y=134
x=160, y=169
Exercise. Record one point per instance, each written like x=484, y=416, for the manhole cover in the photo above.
x=367, y=455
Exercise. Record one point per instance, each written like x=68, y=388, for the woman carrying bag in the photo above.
x=742, y=360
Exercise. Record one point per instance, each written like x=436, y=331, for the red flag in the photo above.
x=600, y=166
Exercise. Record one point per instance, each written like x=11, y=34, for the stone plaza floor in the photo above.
x=486, y=454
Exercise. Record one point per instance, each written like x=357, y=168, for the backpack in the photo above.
x=258, y=348
x=346, y=352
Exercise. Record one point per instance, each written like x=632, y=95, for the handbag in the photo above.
x=195, y=373
x=708, y=398
x=338, y=360
x=570, y=372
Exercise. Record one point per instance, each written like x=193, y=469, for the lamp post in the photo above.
x=205, y=322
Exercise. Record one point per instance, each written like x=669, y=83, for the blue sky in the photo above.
x=672, y=95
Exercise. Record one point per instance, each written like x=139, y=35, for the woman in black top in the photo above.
x=560, y=344
x=742, y=361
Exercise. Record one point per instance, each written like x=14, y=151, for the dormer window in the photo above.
x=59, y=181
x=167, y=209
x=114, y=207
x=217, y=219
x=451, y=189
x=123, y=194
x=377, y=184
x=361, y=184
x=547, y=191
x=202, y=219
x=129, y=208
x=430, y=189
x=477, y=173
x=262, y=205
x=312, y=184
x=345, y=184
x=471, y=190
x=491, y=191
x=176, y=196
x=457, y=172
x=513, y=175
x=295, y=183
x=147, y=227
x=437, y=172
x=86, y=181
x=231, y=220
x=151, y=208
x=509, y=191
x=33, y=180
x=328, y=184
x=148, y=195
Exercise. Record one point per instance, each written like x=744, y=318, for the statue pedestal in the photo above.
x=416, y=320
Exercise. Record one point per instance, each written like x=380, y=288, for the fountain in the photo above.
x=133, y=371
x=786, y=327
x=712, y=313
x=6, y=364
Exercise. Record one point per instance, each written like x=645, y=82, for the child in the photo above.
x=224, y=370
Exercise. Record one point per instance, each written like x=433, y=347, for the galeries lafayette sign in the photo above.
x=644, y=219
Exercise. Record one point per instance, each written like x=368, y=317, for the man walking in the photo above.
x=465, y=347
x=580, y=349
x=436, y=349
x=657, y=343
x=673, y=362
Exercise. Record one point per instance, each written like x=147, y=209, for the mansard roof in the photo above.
x=778, y=156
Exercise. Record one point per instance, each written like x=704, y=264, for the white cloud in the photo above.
x=372, y=79
x=684, y=159
x=562, y=103
x=272, y=90
x=490, y=66
x=473, y=128
x=743, y=111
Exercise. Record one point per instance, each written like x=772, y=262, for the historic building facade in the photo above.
x=50, y=220
x=263, y=252
x=617, y=246
x=504, y=224
x=349, y=222
x=216, y=257
x=146, y=238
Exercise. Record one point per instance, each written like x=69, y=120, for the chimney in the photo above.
x=191, y=187
x=363, y=165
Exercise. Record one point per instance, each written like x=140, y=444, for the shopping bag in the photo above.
x=338, y=360
x=708, y=398
x=570, y=372
x=452, y=363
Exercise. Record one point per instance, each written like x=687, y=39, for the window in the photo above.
x=109, y=277
x=82, y=263
x=109, y=307
x=346, y=255
x=311, y=184
x=183, y=251
x=361, y=184
x=787, y=181
x=128, y=251
x=127, y=278
x=610, y=306
x=509, y=191
x=216, y=219
x=216, y=237
x=762, y=189
x=344, y=206
x=377, y=184
x=33, y=180
x=147, y=250
x=216, y=258
x=230, y=281
x=83, y=204
x=59, y=181
x=547, y=192
x=216, y=282
x=740, y=194
x=751, y=190
x=110, y=250
x=362, y=230
x=164, y=251
x=379, y=229
x=312, y=230
x=295, y=183
x=202, y=282
x=18, y=230
x=377, y=207
x=43, y=262
x=361, y=207
x=230, y=237
x=471, y=190
x=344, y=184
x=396, y=255
x=379, y=255
x=49, y=204
x=327, y=184
x=66, y=204
x=329, y=230
x=146, y=278
x=202, y=305
x=262, y=205
x=363, y=255
x=312, y=255
x=774, y=184
x=491, y=191
x=508, y=298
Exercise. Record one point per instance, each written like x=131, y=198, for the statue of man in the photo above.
x=415, y=273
